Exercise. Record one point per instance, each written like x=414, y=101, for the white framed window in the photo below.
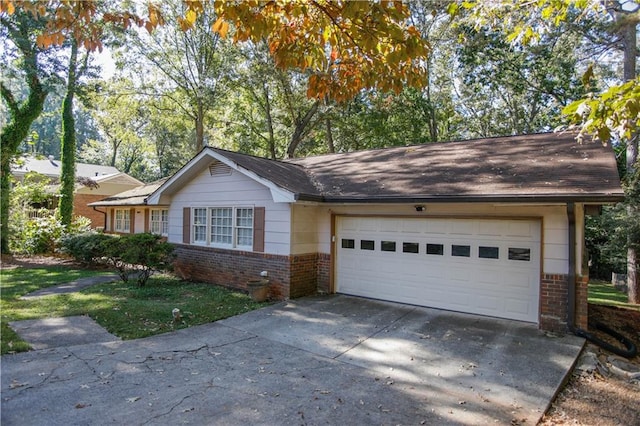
x=244, y=227
x=221, y=225
x=200, y=225
x=159, y=223
x=229, y=227
x=122, y=220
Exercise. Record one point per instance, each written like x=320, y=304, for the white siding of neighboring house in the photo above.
x=233, y=190
x=306, y=239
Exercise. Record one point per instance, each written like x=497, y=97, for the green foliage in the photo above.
x=614, y=112
x=34, y=229
x=21, y=28
x=138, y=255
x=43, y=235
x=86, y=248
x=68, y=144
x=608, y=236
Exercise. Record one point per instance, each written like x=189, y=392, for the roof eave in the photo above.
x=527, y=198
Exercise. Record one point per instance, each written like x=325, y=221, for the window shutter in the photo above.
x=186, y=225
x=258, y=229
x=132, y=221
x=112, y=220
x=146, y=221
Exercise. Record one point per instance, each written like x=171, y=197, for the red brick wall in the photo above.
x=289, y=276
x=80, y=208
x=324, y=273
x=554, y=302
x=582, y=302
x=304, y=275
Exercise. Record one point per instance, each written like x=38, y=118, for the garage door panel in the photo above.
x=505, y=287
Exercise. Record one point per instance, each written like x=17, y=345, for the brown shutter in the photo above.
x=112, y=221
x=186, y=225
x=132, y=221
x=258, y=229
x=146, y=220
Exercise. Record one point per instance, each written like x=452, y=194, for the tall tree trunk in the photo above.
x=301, y=127
x=16, y=129
x=267, y=112
x=199, y=126
x=330, y=144
x=630, y=51
x=68, y=148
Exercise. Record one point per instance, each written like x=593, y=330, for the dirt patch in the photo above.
x=11, y=262
x=599, y=396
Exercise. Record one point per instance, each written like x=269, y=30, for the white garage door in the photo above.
x=481, y=266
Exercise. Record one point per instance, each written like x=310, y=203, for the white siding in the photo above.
x=554, y=222
x=229, y=191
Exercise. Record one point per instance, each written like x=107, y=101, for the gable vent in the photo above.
x=219, y=169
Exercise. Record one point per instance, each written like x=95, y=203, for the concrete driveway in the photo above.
x=319, y=360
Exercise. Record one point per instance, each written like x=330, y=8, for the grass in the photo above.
x=604, y=293
x=124, y=309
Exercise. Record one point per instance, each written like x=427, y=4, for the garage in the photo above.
x=480, y=266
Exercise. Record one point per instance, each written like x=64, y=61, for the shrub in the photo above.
x=138, y=255
x=43, y=234
x=86, y=248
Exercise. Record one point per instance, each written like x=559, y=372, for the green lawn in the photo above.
x=122, y=308
x=604, y=293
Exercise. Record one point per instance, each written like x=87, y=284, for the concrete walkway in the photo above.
x=72, y=286
x=318, y=360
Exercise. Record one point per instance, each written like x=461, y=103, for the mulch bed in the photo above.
x=594, y=398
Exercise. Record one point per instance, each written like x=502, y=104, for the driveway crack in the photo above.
x=360, y=342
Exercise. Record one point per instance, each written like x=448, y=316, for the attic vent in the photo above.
x=219, y=169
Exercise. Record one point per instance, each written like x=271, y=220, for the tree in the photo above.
x=21, y=28
x=68, y=145
x=194, y=63
x=508, y=89
x=35, y=28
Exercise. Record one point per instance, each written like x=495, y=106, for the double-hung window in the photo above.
x=244, y=227
x=200, y=225
x=223, y=226
x=122, y=220
x=159, y=221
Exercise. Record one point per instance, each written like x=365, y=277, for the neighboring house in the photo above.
x=128, y=212
x=95, y=182
x=490, y=226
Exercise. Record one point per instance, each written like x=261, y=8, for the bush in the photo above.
x=41, y=235
x=86, y=248
x=138, y=255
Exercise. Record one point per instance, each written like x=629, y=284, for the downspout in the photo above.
x=571, y=310
x=631, y=350
x=105, y=217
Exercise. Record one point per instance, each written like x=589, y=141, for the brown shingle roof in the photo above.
x=287, y=175
x=541, y=167
x=133, y=197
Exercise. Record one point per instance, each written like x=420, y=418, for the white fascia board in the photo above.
x=155, y=197
x=279, y=195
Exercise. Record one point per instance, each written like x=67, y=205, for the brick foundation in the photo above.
x=307, y=274
x=554, y=302
x=324, y=273
x=289, y=276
